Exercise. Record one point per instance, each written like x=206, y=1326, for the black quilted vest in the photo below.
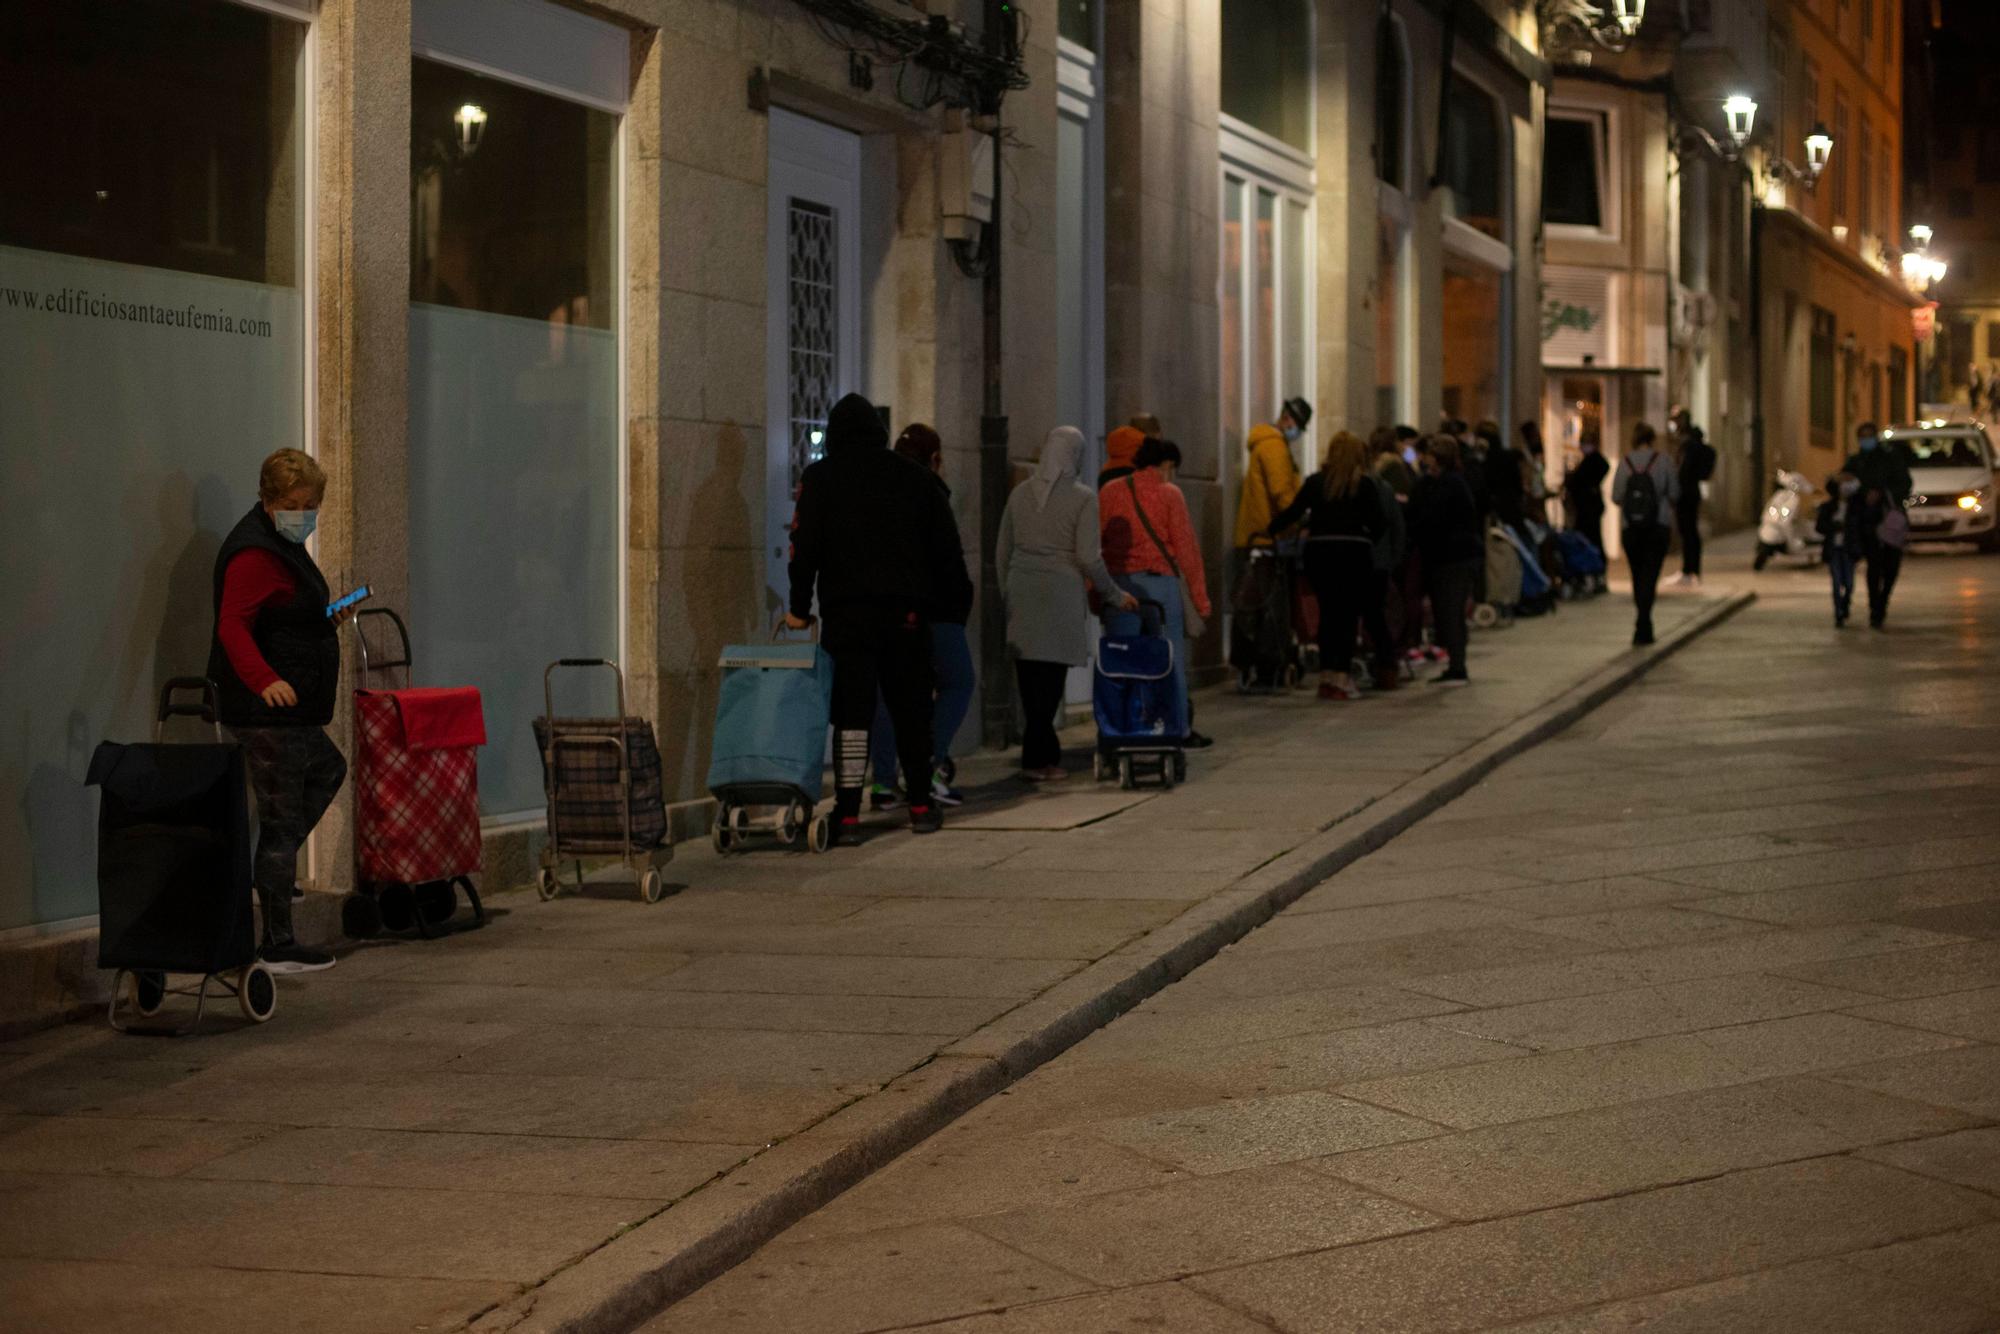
x=295, y=637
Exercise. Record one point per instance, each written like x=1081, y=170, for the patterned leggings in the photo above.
x=295, y=773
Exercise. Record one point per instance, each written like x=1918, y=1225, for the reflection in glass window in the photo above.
x=1388, y=324
x=1573, y=171
x=1473, y=153
x=1235, y=411
x=1076, y=20
x=510, y=199
x=1264, y=335
x=1472, y=324
x=156, y=132
x=1267, y=67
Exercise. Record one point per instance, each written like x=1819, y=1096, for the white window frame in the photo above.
x=1253, y=160
x=1603, y=117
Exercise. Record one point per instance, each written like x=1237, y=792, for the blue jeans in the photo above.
x=1165, y=590
x=951, y=661
x=1840, y=565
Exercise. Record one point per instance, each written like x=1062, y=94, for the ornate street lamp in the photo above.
x=1741, y=111
x=1569, y=25
x=1819, y=147
x=471, y=122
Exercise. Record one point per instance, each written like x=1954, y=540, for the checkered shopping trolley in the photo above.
x=605, y=787
x=416, y=789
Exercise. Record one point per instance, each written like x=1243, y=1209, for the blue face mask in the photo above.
x=1867, y=443
x=295, y=525
x=1410, y=455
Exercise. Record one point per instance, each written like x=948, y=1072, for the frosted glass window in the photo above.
x=1235, y=408
x=1267, y=56
x=514, y=428
x=1472, y=324
x=1294, y=374
x=1072, y=337
x=1264, y=391
x=154, y=354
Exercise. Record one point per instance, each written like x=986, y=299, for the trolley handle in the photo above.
x=549, y=688
x=208, y=710
x=779, y=630
x=385, y=664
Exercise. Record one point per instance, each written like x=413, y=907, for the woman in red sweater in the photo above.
x=1149, y=544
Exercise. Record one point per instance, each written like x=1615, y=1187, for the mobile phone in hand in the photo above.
x=360, y=594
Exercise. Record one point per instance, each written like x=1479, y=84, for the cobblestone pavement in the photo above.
x=1688, y=1020
x=437, y=1132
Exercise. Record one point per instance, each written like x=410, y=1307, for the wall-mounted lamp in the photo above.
x=1922, y=272
x=471, y=122
x=1570, y=26
x=1921, y=233
x=1741, y=112
x=1819, y=147
x=1778, y=172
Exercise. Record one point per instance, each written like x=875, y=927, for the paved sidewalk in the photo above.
x=472, y=1129
x=1683, y=1021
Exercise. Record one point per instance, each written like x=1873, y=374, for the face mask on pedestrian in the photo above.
x=1849, y=488
x=1867, y=443
x=1290, y=432
x=295, y=525
x=1410, y=455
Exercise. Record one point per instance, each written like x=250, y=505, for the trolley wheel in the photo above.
x=149, y=992
x=361, y=916
x=739, y=821
x=1167, y=774
x=546, y=885
x=1180, y=766
x=719, y=834
x=790, y=823
x=436, y=901
x=1291, y=676
x=1125, y=772
x=399, y=907
x=650, y=886
x=1486, y=616
x=257, y=993
x=819, y=834
x=1097, y=766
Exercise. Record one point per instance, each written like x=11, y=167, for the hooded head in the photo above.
x=854, y=425
x=1121, y=445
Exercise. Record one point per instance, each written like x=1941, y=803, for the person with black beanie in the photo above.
x=874, y=538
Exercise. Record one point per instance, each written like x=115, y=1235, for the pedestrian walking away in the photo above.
x=1150, y=549
x=1445, y=527
x=275, y=659
x=1119, y=448
x=1840, y=539
x=874, y=541
x=954, y=676
x=1885, y=531
x=1646, y=490
x=1049, y=559
x=1696, y=466
x=1343, y=511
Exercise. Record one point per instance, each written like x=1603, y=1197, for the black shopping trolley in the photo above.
x=605, y=789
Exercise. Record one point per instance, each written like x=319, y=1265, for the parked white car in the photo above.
x=1952, y=491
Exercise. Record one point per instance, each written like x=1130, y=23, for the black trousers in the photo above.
x=1884, y=564
x=1451, y=584
x=1590, y=522
x=295, y=773
x=1343, y=579
x=1646, y=551
x=885, y=655
x=1688, y=516
x=1041, y=686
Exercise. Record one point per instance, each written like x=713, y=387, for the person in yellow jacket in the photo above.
x=1270, y=476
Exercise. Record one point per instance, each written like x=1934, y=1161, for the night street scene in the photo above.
x=1000, y=666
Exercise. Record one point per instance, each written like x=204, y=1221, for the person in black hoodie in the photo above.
x=1584, y=488
x=1444, y=523
x=874, y=538
x=274, y=656
x=954, y=676
x=1697, y=465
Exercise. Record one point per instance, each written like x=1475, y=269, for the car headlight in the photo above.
x=1976, y=500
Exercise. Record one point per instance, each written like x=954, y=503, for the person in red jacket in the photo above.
x=275, y=661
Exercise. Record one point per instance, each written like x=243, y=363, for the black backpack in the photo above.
x=1641, y=506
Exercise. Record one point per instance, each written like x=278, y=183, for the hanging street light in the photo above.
x=1741, y=111
x=471, y=122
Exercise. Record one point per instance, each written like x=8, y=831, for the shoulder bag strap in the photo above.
x=1147, y=524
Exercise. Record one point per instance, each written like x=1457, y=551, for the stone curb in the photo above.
x=669, y=1256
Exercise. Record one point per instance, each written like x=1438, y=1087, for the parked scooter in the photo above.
x=1787, y=526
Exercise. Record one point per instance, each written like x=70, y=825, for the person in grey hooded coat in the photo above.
x=1046, y=550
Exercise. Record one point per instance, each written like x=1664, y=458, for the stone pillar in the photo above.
x=361, y=313
x=1162, y=76
x=1350, y=287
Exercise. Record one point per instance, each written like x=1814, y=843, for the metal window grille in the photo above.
x=811, y=262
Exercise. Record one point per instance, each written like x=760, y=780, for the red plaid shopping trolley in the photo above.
x=416, y=787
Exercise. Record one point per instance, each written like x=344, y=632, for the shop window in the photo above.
x=515, y=435
x=178, y=121
x=1474, y=151
x=1267, y=56
x=1266, y=301
x=1391, y=79
x=1076, y=21
x=1473, y=321
x=1821, y=386
x=1574, y=170
x=152, y=210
